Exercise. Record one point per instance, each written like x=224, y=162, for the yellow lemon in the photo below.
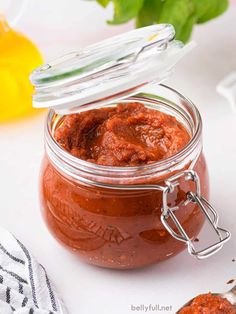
x=18, y=57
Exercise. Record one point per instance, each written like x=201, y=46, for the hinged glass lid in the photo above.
x=113, y=68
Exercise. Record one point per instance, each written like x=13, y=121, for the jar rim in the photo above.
x=99, y=170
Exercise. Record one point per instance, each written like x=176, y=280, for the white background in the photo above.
x=59, y=26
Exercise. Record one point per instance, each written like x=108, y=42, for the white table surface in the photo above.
x=87, y=289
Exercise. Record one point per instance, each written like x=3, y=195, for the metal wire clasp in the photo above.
x=194, y=197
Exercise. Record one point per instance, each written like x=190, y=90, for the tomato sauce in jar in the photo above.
x=125, y=135
x=118, y=228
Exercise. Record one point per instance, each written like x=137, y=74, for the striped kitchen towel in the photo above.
x=24, y=284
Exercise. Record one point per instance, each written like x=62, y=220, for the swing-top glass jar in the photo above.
x=113, y=212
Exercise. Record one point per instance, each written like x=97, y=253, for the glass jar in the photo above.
x=123, y=217
x=117, y=228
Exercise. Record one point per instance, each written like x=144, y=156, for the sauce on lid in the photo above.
x=209, y=304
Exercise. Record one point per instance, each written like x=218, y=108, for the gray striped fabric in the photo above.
x=24, y=284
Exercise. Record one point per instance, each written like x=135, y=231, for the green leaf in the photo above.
x=202, y=7
x=187, y=29
x=182, y=14
x=177, y=13
x=103, y=3
x=149, y=13
x=209, y=9
x=125, y=10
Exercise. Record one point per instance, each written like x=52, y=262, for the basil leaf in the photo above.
x=209, y=9
x=187, y=29
x=149, y=13
x=177, y=13
x=103, y=3
x=125, y=10
x=182, y=14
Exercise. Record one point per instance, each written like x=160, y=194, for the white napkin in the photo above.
x=24, y=285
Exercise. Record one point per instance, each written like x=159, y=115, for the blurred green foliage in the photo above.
x=182, y=14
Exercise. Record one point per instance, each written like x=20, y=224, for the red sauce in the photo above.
x=209, y=304
x=126, y=135
x=110, y=227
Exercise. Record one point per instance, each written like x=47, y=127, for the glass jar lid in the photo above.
x=109, y=70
